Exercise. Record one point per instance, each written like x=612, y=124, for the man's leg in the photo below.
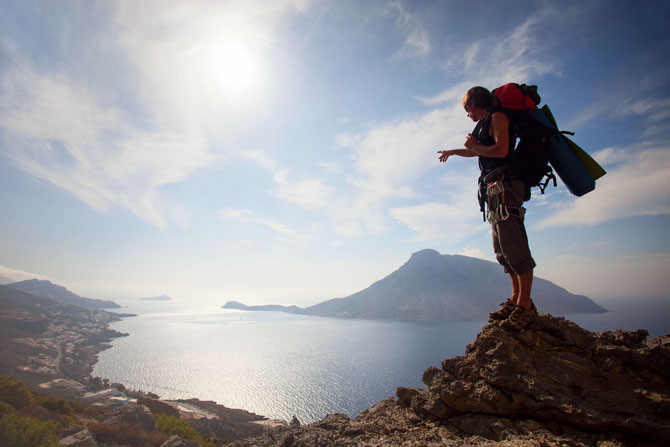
x=516, y=285
x=524, y=311
x=524, y=285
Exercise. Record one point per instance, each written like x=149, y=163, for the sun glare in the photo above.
x=234, y=70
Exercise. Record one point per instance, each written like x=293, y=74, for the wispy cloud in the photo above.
x=633, y=101
x=9, y=275
x=315, y=195
x=63, y=133
x=417, y=41
x=637, y=186
x=389, y=157
x=477, y=253
x=114, y=140
x=622, y=276
x=435, y=221
x=284, y=231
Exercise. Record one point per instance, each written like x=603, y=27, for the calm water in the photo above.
x=279, y=365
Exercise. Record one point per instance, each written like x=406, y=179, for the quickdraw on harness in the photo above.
x=496, y=209
x=491, y=196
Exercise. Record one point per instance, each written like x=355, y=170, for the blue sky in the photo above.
x=285, y=151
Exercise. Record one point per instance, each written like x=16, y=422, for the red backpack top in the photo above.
x=516, y=97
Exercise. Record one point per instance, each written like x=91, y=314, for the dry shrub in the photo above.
x=125, y=434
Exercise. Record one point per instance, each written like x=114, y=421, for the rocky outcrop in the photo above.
x=555, y=373
x=157, y=406
x=176, y=441
x=553, y=384
x=217, y=421
x=132, y=415
x=81, y=438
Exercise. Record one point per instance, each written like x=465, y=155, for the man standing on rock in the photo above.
x=492, y=141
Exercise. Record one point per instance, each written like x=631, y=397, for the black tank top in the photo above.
x=481, y=132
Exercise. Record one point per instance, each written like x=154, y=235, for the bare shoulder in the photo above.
x=499, y=120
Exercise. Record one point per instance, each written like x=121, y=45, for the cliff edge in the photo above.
x=553, y=384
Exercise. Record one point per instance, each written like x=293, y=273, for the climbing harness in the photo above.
x=492, y=197
x=496, y=209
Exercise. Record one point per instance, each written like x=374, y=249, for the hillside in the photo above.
x=47, y=289
x=435, y=287
x=42, y=339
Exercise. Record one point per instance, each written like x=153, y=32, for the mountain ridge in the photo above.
x=47, y=289
x=435, y=287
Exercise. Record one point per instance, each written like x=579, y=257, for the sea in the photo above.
x=280, y=365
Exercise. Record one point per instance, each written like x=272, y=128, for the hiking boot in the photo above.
x=519, y=318
x=506, y=309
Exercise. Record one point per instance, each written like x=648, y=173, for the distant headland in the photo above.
x=47, y=289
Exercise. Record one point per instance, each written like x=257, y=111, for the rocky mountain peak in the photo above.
x=427, y=255
x=557, y=375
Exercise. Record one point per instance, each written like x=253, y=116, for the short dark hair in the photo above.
x=479, y=96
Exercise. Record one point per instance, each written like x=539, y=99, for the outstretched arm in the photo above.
x=444, y=155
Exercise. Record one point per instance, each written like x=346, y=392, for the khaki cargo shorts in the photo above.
x=510, y=241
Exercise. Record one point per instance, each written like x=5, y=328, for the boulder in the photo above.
x=555, y=373
x=82, y=438
x=158, y=407
x=138, y=415
x=176, y=441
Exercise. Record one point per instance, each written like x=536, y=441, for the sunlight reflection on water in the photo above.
x=275, y=364
x=279, y=365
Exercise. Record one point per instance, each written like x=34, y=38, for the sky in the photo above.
x=286, y=151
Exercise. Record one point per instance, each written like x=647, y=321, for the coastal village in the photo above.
x=52, y=346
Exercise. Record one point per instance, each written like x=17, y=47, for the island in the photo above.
x=157, y=298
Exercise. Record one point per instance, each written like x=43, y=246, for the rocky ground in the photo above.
x=554, y=384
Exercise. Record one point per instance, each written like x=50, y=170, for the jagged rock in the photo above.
x=295, y=422
x=176, y=441
x=132, y=414
x=389, y=424
x=158, y=407
x=553, y=385
x=225, y=428
x=556, y=373
x=217, y=421
x=82, y=438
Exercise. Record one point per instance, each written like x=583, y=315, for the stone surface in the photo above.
x=217, y=421
x=176, y=441
x=555, y=373
x=554, y=384
x=158, y=407
x=131, y=414
x=82, y=438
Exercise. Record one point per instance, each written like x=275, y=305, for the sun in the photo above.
x=234, y=69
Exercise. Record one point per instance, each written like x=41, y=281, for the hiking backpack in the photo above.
x=530, y=159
